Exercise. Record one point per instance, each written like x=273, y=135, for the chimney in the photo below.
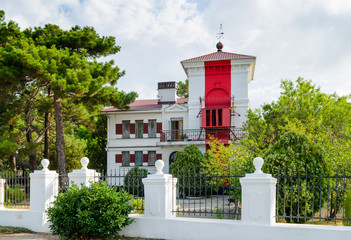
x=166, y=92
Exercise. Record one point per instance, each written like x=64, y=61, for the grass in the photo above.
x=14, y=230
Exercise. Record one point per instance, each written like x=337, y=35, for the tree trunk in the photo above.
x=60, y=141
x=32, y=152
x=46, y=136
x=12, y=156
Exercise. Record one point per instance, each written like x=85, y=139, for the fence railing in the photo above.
x=130, y=181
x=200, y=134
x=204, y=195
x=314, y=197
x=16, y=189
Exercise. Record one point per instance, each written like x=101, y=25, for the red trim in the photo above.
x=146, y=128
x=132, y=158
x=145, y=158
x=118, y=128
x=159, y=156
x=118, y=158
x=159, y=127
x=132, y=128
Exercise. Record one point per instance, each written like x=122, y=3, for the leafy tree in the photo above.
x=183, y=89
x=62, y=66
x=133, y=181
x=187, y=167
x=294, y=155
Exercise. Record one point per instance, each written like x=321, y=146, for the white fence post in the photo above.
x=258, y=196
x=84, y=175
x=2, y=193
x=160, y=193
x=43, y=189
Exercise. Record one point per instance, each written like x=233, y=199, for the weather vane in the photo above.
x=220, y=33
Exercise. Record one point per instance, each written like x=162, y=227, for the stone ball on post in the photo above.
x=45, y=163
x=159, y=164
x=258, y=163
x=84, y=161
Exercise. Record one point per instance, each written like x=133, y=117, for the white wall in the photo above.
x=210, y=229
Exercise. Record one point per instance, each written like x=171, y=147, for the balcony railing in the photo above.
x=201, y=134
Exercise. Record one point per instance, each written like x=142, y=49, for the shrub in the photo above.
x=97, y=211
x=138, y=205
x=298, y=156
x=133, y=181
x=15, y=195
x=187, y=168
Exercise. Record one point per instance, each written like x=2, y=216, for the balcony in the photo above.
x=201, y=134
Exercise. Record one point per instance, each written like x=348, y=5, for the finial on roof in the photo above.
x=219, y=37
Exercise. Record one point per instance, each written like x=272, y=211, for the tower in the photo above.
x=218, y=91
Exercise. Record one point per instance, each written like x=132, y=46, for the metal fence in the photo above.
x=16, y=187
x=129, y=181
x=314, y=197
x=206, y=195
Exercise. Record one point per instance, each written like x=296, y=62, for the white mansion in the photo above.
x=157, y=128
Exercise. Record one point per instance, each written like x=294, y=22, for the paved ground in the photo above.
x=24, y=236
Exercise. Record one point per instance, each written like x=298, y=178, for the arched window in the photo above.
x=172, y=157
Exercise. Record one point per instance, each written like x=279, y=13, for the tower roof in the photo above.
x=219, y=55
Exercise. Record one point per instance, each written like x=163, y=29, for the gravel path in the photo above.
x=24, y=236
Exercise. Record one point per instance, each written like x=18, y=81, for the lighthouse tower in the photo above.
x=218, y=91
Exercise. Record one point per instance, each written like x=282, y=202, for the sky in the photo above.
x=307, y=38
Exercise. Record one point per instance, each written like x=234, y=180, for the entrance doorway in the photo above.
x=176, y=128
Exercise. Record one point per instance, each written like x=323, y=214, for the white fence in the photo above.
x=158, y=221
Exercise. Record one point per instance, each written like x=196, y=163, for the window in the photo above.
x=125, y=129
x=139, y=129
x=152, y=128
x=138, y=158
x=125, y=159
x=152, y=157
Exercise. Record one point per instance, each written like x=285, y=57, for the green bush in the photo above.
x=97, y=211
x=348, y=208
x=291, y=155
x=187, y=168
x=133, y=181
x=138, y=205
x=15, y=195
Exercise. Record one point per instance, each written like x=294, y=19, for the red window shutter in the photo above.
x=146, y=128
x=132, y=158
x=118, y=128
x=226, y=117
x=145, y=158
x=132, y=128
x=203, y=118
x=159, y=156
x=159, y=127
x=118, y=158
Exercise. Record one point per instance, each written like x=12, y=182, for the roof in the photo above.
x=147, y=104
x=218, y=56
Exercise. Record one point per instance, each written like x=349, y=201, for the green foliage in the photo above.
x=183, y=89
x=49, y=74
x=348, y=208
x=97, y=211
x=139, y=205
x=293, y=154
x=187, y=168
x=133, y=181
x=15, y=195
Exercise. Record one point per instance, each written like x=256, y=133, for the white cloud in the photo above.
x=308, y=38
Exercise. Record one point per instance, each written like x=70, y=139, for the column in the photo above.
x=258, y=196
x=84, y=175
x=160, y=193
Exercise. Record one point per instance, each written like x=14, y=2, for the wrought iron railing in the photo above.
x=16, y=189
x=201, y=134
x=208, y=195
x=314, y=197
